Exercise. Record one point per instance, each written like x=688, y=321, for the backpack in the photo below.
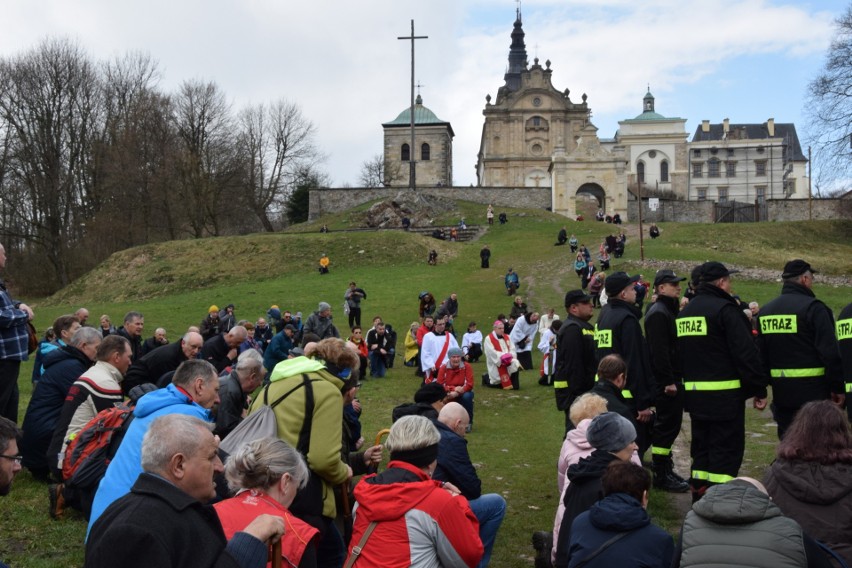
x=89, y=453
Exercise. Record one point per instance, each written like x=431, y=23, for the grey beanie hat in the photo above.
x=610, y=432
x=323, y=306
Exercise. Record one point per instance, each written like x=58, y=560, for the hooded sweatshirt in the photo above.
x=646, y=545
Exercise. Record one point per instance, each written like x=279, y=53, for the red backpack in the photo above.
x=89, y=453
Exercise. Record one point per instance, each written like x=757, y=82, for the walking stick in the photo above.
x=276, y=553
x=382, y=433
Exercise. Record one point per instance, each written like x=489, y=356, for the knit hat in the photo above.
x=430, y=393
x=455, y=352
x=213, y=308
x=610, y=432
x=323, y=306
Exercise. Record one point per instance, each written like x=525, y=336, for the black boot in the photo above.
x=665, y=480
x=542, y=541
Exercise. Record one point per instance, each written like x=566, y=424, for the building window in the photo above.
x=713, y=168
x=730, y=151
x=789, y=187
x=760, y=193
x=405, y=155
x=424, y=152
x=702, y=195
x=760, y=167
x=640, y=172
x=723, y=195
x=731, y=169
x=536, y=123
x=696, y=169
x=696, y=153
x=664, y=171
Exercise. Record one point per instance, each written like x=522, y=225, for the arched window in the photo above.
x=664, y=171
x=640, y=172
x=424, y=152
x=406, y=153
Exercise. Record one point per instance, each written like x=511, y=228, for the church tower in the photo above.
x=433, y=148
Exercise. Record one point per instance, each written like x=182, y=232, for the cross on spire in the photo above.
x=418, y=85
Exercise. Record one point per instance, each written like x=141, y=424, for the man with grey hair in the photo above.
x=157, y=340
x=134, y=323
x=796, y=337
x=193, y=391
x=82, y=315
x=235, y=390
x=320, y=322
x=14, y=339
x=62, y=367
x=221, y=351
x=153, y=366
x=166, y=508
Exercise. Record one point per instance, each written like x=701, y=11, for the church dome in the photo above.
x=422, y=115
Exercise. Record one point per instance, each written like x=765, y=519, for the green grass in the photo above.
x=517, y=435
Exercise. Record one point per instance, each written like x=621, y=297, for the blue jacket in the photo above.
x=646, y=545
x=277, y=351
x=454, y=463
x=127, y=464
x=62, y=366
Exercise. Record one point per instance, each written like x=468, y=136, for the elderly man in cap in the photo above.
x=320, y=322
x=661, y=334
x=800, y=351
x=614, y=438
x=619, y=331
x=575, y=353
x=721, y=369
x=456, y=376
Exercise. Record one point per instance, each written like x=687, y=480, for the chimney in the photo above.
x=726, y=126
x=705, y=126
x=770, y=127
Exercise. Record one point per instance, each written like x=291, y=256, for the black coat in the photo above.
x=157, y=524
x=232, y=402
x=215, y=351
x=154, y=365
x=454, y=463
x=135, y=343
x=62, y=367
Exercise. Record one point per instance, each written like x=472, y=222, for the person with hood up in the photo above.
x=614, y=438
x=617, y=530
x=405, y=518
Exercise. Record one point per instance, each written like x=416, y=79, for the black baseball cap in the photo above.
x=666, y=276
x=576, y=297
x=796, y=268
x=618, y=281
x=712, y=271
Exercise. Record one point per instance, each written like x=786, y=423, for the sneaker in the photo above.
x=57, y=501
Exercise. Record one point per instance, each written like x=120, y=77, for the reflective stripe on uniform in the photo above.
x=560, y=384
x=844, y=329
x=848, y=387
x=711, y=477
x=661, y=451
x=712, y=385
x=797, y=373
x=626, y=393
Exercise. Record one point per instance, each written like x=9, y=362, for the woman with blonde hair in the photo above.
x=266, y=474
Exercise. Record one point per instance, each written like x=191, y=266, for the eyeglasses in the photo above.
x=16, y=459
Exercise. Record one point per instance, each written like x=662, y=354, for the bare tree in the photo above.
x=830, y=110
x=275, y=142
x=50, y=108
x=378, y=172
x=206, y=162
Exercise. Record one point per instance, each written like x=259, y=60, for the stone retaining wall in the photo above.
x=777, y=210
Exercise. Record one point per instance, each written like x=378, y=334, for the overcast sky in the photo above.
x=341, y=61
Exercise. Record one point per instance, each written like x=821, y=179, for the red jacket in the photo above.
x=451, y=378
x=236, y=513
x=419, y=523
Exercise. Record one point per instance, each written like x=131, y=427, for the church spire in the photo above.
x=648, y=101
x=517, y=54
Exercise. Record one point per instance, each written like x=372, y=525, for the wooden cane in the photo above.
x=276, y=554
x=378, y=440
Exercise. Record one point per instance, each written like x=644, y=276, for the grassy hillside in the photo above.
x=517, y=435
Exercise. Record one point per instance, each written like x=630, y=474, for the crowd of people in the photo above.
x=280, y=395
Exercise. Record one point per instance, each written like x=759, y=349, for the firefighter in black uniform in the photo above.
x=844, y=339
x=575, y=353
x=661, y=334
x=721, y=370
x=619, y=331
x=799, y=348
